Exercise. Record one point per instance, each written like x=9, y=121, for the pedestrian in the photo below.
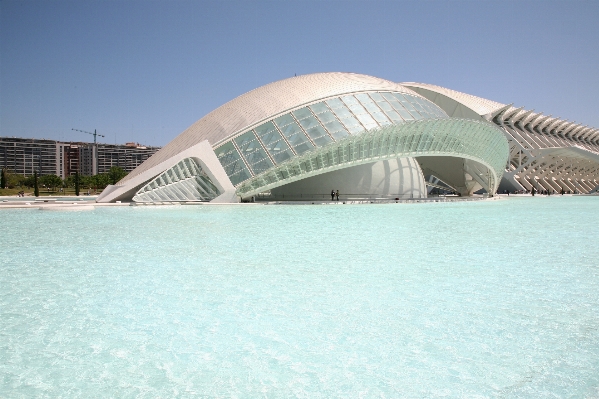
x=332, y=195
x=337, y=195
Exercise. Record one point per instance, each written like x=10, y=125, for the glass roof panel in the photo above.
x=284, y=120
x=349, y=100
x=334, y=103
x=326, y=117
x=264, y=128
x=302, y=113
x=363, y=98
x=376, y=97
x=309, y=122
x=319, y=107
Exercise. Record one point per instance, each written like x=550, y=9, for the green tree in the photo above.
x=14, y=180
x=36, y=190
x=77, y=183
x=3, y=179
x=100, y=181
x=29, y=181
x=51, y=181
x=115, y=174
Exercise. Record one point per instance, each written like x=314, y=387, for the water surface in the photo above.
x=493, y=299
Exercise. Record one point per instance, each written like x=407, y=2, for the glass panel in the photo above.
x=349, y=100
x=381, y=118
x=407, y=105
x=241, y=176
x=265, y=128
x=349, y=120
x=270, y=138
x=433, y=109
x=385, y=106
x=291, y=129
x=281, y=155
x=309, y=122
x=302, y=113
x=261, y=165
x=334, y=103
x=327, y=117
x=355, y=129
x=276, y=146
x=405, y=114
x=171, y=186
x=357, y=109
x=231, y=161
x=296, y=138
x=425, y=108
x=322, y=140
x=394, y=116
x=247, y=142
x=284, y=120
x=367, y=121
x=227, y=154
x=316, y=132
x=401, y=110
x=339, y=134
x=376, y=97
x=437, y=110
x=388, y=96
x=318, y=108
x=334, y=126
x=371, y=107
x=419, y=107
x=363, y=98
x=343, y=113
x=303, y=147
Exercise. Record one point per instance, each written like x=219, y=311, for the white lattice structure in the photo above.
x=546, y=153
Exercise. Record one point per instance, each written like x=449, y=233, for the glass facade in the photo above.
x=310, y=127
x=183, y=182
x=472, y=140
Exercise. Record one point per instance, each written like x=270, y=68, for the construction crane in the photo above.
x=95, y=150
x=93, y=134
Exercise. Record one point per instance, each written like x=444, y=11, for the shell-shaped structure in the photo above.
x=546, y=153
x=235, y=151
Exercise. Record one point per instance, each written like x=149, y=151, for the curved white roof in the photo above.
x=481, y=106
x=254, y=107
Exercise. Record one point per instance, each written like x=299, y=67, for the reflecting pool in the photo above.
x=487, y=299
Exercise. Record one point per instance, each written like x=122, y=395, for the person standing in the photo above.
x=337, y=195
x=332, y=195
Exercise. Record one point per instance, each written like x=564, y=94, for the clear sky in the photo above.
x=144, y=71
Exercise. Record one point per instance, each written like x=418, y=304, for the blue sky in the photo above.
x=144, y=71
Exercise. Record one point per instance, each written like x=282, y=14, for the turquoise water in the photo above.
x=494, y=299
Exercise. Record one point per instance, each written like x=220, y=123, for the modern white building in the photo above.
x=302, y=137
x=546, y=153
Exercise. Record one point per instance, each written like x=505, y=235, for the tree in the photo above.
x=36, y=190
x=14, y=180
x=77, y=183
x=100, y=180
x=116, y=173
x=3, y=179
x=29, y=181
x=51, y=181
